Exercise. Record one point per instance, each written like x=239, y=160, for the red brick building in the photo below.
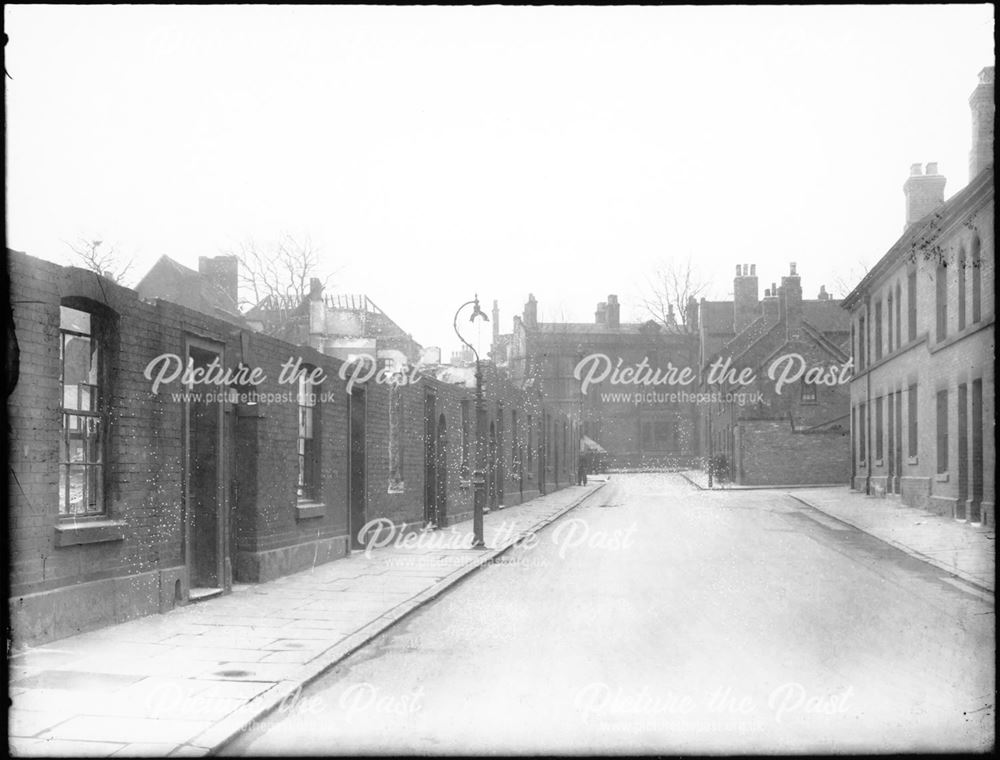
x=922, y=322
x=768, y=432
x=127, y=499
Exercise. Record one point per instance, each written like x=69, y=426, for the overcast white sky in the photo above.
x=434, y=152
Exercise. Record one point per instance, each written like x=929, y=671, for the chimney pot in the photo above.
x=916, y=170
x=924, y=193
x=792, y=269
x=753, y=270
x=737, y=270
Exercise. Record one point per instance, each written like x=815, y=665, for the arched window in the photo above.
x=87, y=341
x=961, y=272
x=899, y=315
x=976, y=263
x=941, y=284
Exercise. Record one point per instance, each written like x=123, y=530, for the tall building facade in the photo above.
x=922, y=327
x=638, y=425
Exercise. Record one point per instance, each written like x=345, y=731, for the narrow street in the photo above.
x=657, y=617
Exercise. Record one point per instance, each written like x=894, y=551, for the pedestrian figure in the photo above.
x=581, y=470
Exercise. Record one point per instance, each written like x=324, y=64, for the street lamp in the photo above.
x=479, y=473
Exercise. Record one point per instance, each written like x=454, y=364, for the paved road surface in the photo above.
x=657, y=617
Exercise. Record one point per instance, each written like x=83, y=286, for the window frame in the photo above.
x=308, y=484
x=812, y=397
x=96, y=470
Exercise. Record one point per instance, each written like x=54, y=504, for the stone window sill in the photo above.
x=913, y=460
x=941, y=477
x=89, y=532
x=879, y=462
x=306, y=510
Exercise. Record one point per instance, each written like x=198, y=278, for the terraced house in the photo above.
x=922, y=324
x=128, y=498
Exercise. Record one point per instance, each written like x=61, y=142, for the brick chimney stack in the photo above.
x=223, y=272
x=614, y=311
x=746, y=307
x=496, y=323
x=531, y=312
x=924, y=192
x=601, y=314
x=692, y=314
x=770, y=306
x=983, y=107
x=790, y=295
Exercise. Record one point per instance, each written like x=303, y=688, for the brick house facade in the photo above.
x=763, y=434
x=922, y=320
x=125, y=501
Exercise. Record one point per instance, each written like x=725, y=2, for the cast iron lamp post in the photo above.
x=479, y=472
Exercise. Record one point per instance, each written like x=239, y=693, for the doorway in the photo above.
x=430, y=459
x=891, y=453
x=441, y=472
x=963, y=451
x=357, y=482
x=205, y=492
x=977, y=452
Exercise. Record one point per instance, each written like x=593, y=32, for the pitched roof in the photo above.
x=174, y=282
x=826, y=316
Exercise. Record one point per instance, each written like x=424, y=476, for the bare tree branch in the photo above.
x=845, y=283
x=278, y=273
x=105, y=261
x=670, y=288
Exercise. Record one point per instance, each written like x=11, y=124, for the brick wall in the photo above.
x=127, y=562
x=964, y=357
x=770, y=452
x=72, y=574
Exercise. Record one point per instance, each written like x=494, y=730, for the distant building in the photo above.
x=337, y=325
x=756, y=435
x=637, y=425
x=211, y=290
x=922, y=323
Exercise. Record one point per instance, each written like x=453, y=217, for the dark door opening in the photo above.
x=491, y=468
x=500, y=469
x=899, y=442
x=977, y=451
x=891, y=453
x=441, y=466
x=358, y=493
x=963, y=450
x=430, y=460
x=205, y=486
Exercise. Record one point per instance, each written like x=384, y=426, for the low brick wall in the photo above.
x=772, y=453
